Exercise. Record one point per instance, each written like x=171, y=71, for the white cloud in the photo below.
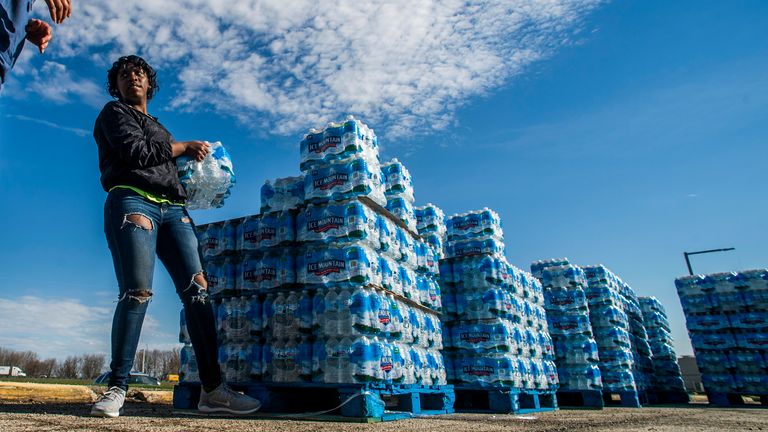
x=300, y=63
x=77, y=131
x=53, y=81
x=60, y=327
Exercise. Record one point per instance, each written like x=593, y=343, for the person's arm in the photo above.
x=124, y=134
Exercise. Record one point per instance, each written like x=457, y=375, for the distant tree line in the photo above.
x=88, y=366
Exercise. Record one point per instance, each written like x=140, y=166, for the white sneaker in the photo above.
x=109, y=403
x=226, y=400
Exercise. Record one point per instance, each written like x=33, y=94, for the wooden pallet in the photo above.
x=503, y=400
x=591, y=399
x=333, y=402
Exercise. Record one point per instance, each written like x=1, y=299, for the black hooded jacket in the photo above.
x=135, y=150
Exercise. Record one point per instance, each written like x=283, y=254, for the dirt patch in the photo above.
x=27, y=417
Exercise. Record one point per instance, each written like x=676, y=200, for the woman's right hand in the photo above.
x=197, y=150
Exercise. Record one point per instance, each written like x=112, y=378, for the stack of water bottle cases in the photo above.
x=493, y=311
x=322, y=287
x=667, y=378
x=597, y=325
x=565, y=301
x=727, y=319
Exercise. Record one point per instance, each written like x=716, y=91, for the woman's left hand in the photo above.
x=197, y=150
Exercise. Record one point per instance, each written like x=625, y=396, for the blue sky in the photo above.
x=621, y=133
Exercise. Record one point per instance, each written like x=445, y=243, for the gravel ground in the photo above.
x=159, y=417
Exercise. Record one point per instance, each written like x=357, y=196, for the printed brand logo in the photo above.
x=469, y=250
x=478, y=370
x=262, y=274
x=475, y=337
x=563, y=302
x=211, y=243
x=326, y=267
x=330, y=181
x=325, y=224
x=327, y=143
x=384, y=316
x=465, y=226
x=386, y=363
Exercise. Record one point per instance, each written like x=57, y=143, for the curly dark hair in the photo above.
x=137, y=62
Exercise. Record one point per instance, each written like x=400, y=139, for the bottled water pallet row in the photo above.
x=471, y=399
x=589, y=399
x=629, y=399
x=668, y=397
x=735, y=399
x=367, y=403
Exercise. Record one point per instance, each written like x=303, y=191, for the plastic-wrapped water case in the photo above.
x=282, y=194
x=404, y=211
x=266, y=230
x=430, y=219
x=348, y=265
x=338, y=142
x=477, y=224
x=397, y=181
x=207, y=183
x=464, y=248
x=266, y=270
x=339, y=223
x=538, y=266
x=343, y=181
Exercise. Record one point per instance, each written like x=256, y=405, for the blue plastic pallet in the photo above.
x=668, y=397
x=581, y=398
x=471, y=399
x=315, y=401
x=735, y=399
x=630, y=399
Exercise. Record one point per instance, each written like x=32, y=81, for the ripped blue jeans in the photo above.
x=137, y=230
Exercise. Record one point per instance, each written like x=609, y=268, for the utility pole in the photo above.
x=688, y=261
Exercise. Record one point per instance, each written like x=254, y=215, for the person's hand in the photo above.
x=60, y=9
x=39, y=33
x=197, y=150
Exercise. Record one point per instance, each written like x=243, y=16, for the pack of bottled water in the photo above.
x=503, y=370
x=362, y=359
x=397, y=181
x=666, y=370
x=287, y=315
x=430, y=219
x=403, y=209
x=430, y=224
x=339, y=142
x=287, y=361
x=265, y=270
x=218, y=238
x=363, y=311
x=339, y=224
x=477, y=224
x=265, y=230
x=727, y=322
x=282, y=194
x=207, y=183
x=221, y=275
x=343, y=265
x=576, y=351
x=188, y=371
x=344, y=180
